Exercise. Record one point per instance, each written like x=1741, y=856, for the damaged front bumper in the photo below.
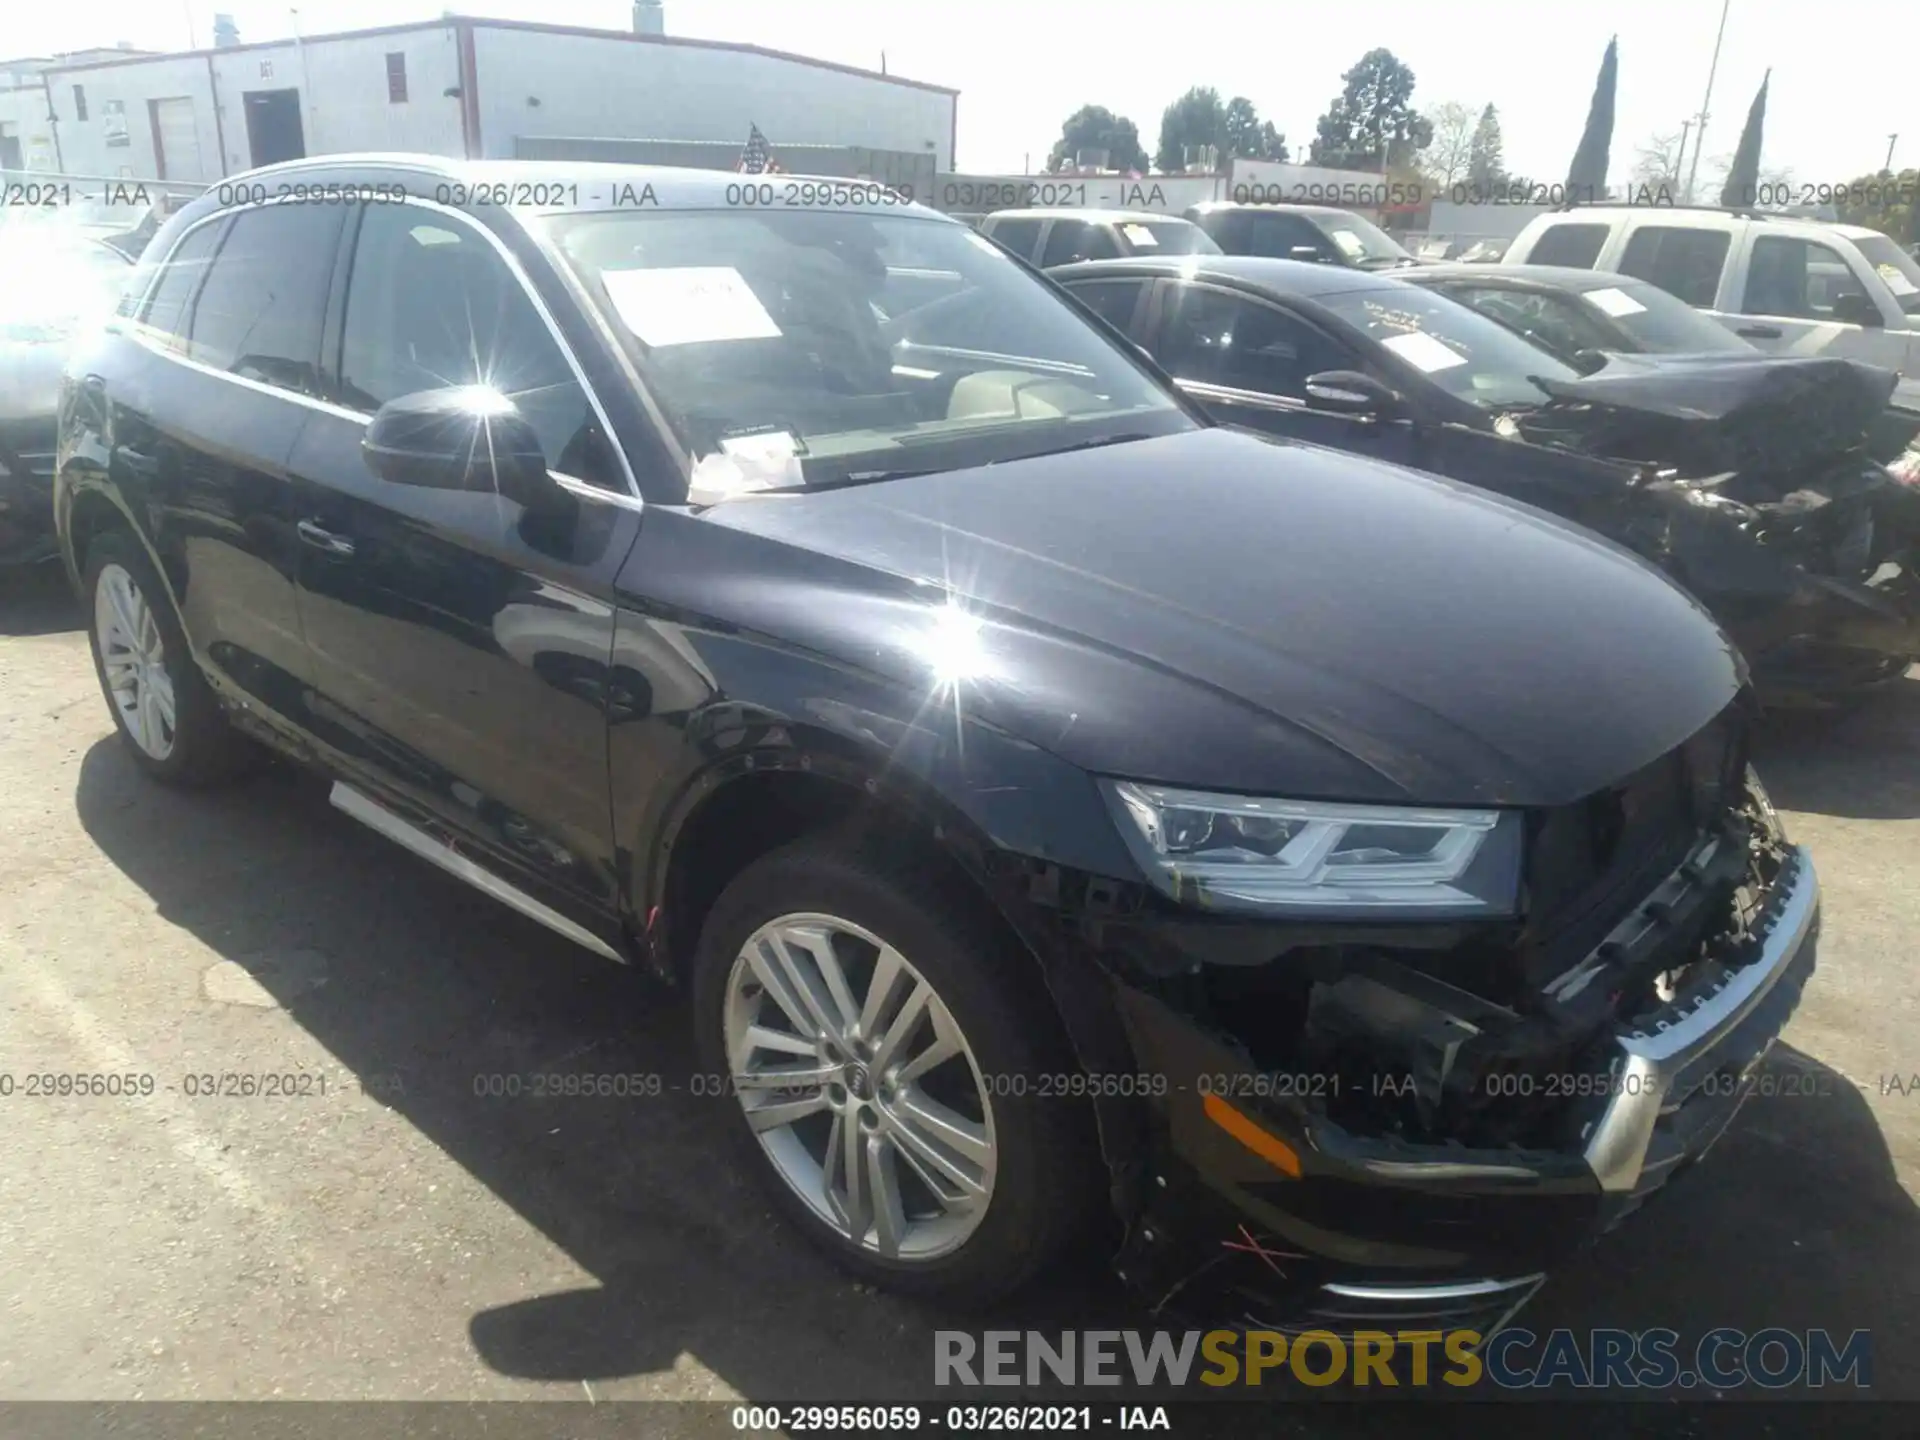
x=1261, y=1212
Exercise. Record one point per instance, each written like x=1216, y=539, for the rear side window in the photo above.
x=1072, y=240
x=1280, y=236
x=1020, y=236
x=1683, y=262
x=258, y=314
x=166, y=303
x=1575, y=246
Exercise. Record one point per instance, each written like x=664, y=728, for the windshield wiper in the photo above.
x=861, y=477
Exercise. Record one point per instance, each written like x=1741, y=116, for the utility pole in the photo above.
x=1680, y=160
x=1700, y=135
x=1891, y=139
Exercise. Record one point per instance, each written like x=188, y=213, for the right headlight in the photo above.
x=1321, y=859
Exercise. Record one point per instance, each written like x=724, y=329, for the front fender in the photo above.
x=693, y=709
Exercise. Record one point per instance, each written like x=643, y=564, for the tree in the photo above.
x=1657, y=163
x=1372, y=123
x=1486, y=165
x=1774, y=188
x=1247, y=136
x=1742, y=185
x=1197, y=118
x=1587, y=175
x=1233, y=128
x=1444, y=158
x=1094, y=127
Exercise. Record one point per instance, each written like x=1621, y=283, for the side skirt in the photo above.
x=404, y=833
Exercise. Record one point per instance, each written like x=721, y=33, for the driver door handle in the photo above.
x=324, y=540
x=1758, y=332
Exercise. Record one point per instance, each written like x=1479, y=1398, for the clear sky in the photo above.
x=1843, y=71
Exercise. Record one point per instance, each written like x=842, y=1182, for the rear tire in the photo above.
x=166, y=713
x=1006, y=1183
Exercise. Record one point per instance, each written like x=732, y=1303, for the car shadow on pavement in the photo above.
x=36, y=600
x=1799, y=1219
x=1861, y=763
x=430, y=983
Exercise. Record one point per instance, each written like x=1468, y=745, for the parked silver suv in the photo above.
x=1795, y=286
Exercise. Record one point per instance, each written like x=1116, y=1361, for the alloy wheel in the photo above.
x=133, y=659
x=860, y=1087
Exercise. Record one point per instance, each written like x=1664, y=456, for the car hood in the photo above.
x=1227, y=610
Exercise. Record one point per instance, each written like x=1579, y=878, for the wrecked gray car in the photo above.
x=1758, y=482
x=1766, y=483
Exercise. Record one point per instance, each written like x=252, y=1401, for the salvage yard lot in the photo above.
x=401, y=1236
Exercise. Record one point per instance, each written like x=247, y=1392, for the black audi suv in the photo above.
x=1063, y=813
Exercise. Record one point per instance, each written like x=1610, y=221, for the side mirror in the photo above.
x=1309, y=253
x=1854, y=308
x=465, y=438
x=1352, y=392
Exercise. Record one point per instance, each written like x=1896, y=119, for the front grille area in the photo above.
x=1591, y=862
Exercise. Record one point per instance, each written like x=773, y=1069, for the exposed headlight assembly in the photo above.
x=1319, y=859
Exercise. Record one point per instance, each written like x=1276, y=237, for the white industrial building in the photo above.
x=456, y=86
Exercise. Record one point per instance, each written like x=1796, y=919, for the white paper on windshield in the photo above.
x=1422, y=350
x=1614, y=301
x=1349, y=242
x=725, y=476
x=1896, y=280
x=689, y=305
x=1140, y=235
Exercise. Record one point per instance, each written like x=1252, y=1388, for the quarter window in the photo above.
x=1575, y=246
x=258, y=315
x=165, y=312
x=431, y=306
x=1112, y=300
x=1683, y=262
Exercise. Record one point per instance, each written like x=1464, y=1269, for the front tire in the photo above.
x=880, y=1051
x=167, y=715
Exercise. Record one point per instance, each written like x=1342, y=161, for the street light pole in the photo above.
x=1891, y=139
x=1700, y=135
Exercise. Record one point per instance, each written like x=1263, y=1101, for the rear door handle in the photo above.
x=1758, y=332
x=324, y=540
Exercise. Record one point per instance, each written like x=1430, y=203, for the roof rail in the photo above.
x=1745, y=212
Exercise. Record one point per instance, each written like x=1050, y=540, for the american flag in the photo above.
x=757, y=158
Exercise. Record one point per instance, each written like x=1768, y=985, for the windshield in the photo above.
x=1364, y=243
x=1899, y=269
x=1663, y=324
x=808, y=347
x=1463, y=352
x=1168, y=237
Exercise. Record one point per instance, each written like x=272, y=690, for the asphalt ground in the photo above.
x=390, y=1233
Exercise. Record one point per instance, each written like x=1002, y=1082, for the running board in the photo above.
x=404, y=833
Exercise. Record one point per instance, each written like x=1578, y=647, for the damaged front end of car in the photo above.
x=1371, y=1126
x=1762, y=486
